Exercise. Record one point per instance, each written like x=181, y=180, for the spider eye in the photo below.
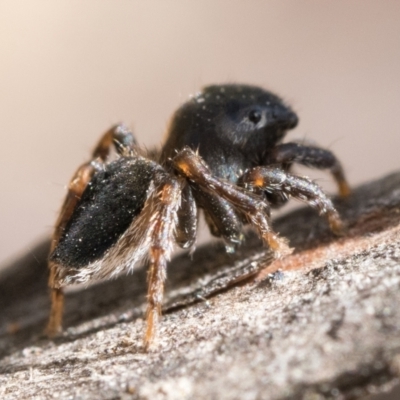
x=255, y=116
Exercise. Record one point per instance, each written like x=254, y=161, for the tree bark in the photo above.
x=321, y=323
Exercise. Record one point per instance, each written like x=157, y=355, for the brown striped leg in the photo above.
x=276, y=180
x=124, y=142
x=162, y=240
x=188, y=164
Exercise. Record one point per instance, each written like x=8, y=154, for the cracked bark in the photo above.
x=321, y=323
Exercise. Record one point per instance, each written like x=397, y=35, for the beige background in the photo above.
x=70, y=68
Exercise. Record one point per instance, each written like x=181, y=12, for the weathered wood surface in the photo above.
x=322, y=323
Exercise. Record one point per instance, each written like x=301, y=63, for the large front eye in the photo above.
x=254, y=116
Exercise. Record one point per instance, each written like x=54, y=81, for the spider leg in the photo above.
x=186, y=229
x=311, y=156
x=162, y=239
x=118, y=136
x=76, y=187
x=188, y=164
x=221, y=218
x=302, y=188
x=124, y=142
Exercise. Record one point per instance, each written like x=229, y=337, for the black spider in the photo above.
x=223, y=154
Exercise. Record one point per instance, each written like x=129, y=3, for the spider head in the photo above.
x=248, y=115
x=243, y=116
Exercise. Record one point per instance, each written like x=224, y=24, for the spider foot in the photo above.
x=152, y=322
x=54, y=326
x=338, y=227
x=278, y=245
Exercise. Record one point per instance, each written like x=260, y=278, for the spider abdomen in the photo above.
x=109, y=204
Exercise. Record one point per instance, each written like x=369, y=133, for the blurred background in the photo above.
x=69, y=69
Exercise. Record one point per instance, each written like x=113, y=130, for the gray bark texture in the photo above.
x=321, y=323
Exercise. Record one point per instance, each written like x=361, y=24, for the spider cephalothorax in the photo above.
x=223, y=154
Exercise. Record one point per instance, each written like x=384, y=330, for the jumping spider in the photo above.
x=223, y=154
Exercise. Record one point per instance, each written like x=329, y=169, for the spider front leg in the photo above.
x=191, y=166
x=275, y=180
x=124, y=142
x=311, y=156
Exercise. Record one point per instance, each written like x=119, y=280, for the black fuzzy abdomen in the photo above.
x=108, y=206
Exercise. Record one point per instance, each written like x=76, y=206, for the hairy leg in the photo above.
x=188, y=164
x=162, y=239
x=278, y=181
x=311, y=156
